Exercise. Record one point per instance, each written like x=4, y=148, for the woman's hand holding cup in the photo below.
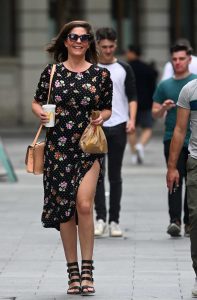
x=44, y=117
x=48, y=115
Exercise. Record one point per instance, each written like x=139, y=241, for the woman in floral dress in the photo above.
x=70, y=176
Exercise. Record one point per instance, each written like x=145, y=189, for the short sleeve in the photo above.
x=106, y=90
x=159, y=95
x=42, y=90
x=184, y=98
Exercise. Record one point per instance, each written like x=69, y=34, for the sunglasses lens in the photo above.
x=73, y=37
x=83, y=38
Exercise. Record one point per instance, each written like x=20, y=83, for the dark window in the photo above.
x=7, y=28
x=61, y=12
x=125, y=21
x=182, y=15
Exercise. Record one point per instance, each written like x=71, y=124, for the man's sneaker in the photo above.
x=187, y=230
x=174, y=229
x=140, y=153
x=134, y=159
x=194, y=290
x=99, y=227
x=114, y=230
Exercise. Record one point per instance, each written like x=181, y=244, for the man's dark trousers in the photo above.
x=116, y=139
x=175, y=198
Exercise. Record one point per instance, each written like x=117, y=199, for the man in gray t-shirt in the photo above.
x=187, y=111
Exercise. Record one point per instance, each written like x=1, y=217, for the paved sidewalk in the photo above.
x=145, y=264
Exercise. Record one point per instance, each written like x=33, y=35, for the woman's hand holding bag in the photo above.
x=93, y=139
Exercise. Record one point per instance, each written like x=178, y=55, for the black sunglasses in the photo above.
x=83, y=38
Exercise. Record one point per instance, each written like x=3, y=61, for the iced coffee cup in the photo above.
x=49, y=109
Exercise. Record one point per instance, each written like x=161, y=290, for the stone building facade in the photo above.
x=27, y=26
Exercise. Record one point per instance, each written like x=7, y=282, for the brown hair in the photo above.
x=181, y=47
x=60, y=52
x=107, y=33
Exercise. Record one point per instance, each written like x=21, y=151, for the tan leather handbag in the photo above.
x=35, y=156
x=34, y=159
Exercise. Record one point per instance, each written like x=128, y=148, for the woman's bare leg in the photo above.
x=68, y=232
x=85, y=201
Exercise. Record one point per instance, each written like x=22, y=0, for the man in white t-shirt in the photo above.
x=121, y=122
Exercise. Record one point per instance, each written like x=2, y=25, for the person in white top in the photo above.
x=121, y=122
x=168, y=68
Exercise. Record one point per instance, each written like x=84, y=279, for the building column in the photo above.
x=33, y=35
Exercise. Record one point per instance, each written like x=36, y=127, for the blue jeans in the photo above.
x=116, y=139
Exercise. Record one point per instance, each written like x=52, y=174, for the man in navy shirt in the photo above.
x=145, y=77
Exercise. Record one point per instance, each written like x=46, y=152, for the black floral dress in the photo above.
x=75, y=96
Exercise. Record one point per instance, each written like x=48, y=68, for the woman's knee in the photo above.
x=84, y=207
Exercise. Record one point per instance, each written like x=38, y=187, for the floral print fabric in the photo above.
x=75, y=96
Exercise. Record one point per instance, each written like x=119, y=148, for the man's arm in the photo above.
x=158, y=110
x=131, y=92
x=130, y=128
x=176, y=145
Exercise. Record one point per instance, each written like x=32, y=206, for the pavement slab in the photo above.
x=145, y=264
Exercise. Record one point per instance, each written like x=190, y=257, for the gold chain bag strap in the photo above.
x=35, y=152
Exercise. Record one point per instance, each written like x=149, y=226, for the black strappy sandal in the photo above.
x=86, y=269
x=73, y=271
